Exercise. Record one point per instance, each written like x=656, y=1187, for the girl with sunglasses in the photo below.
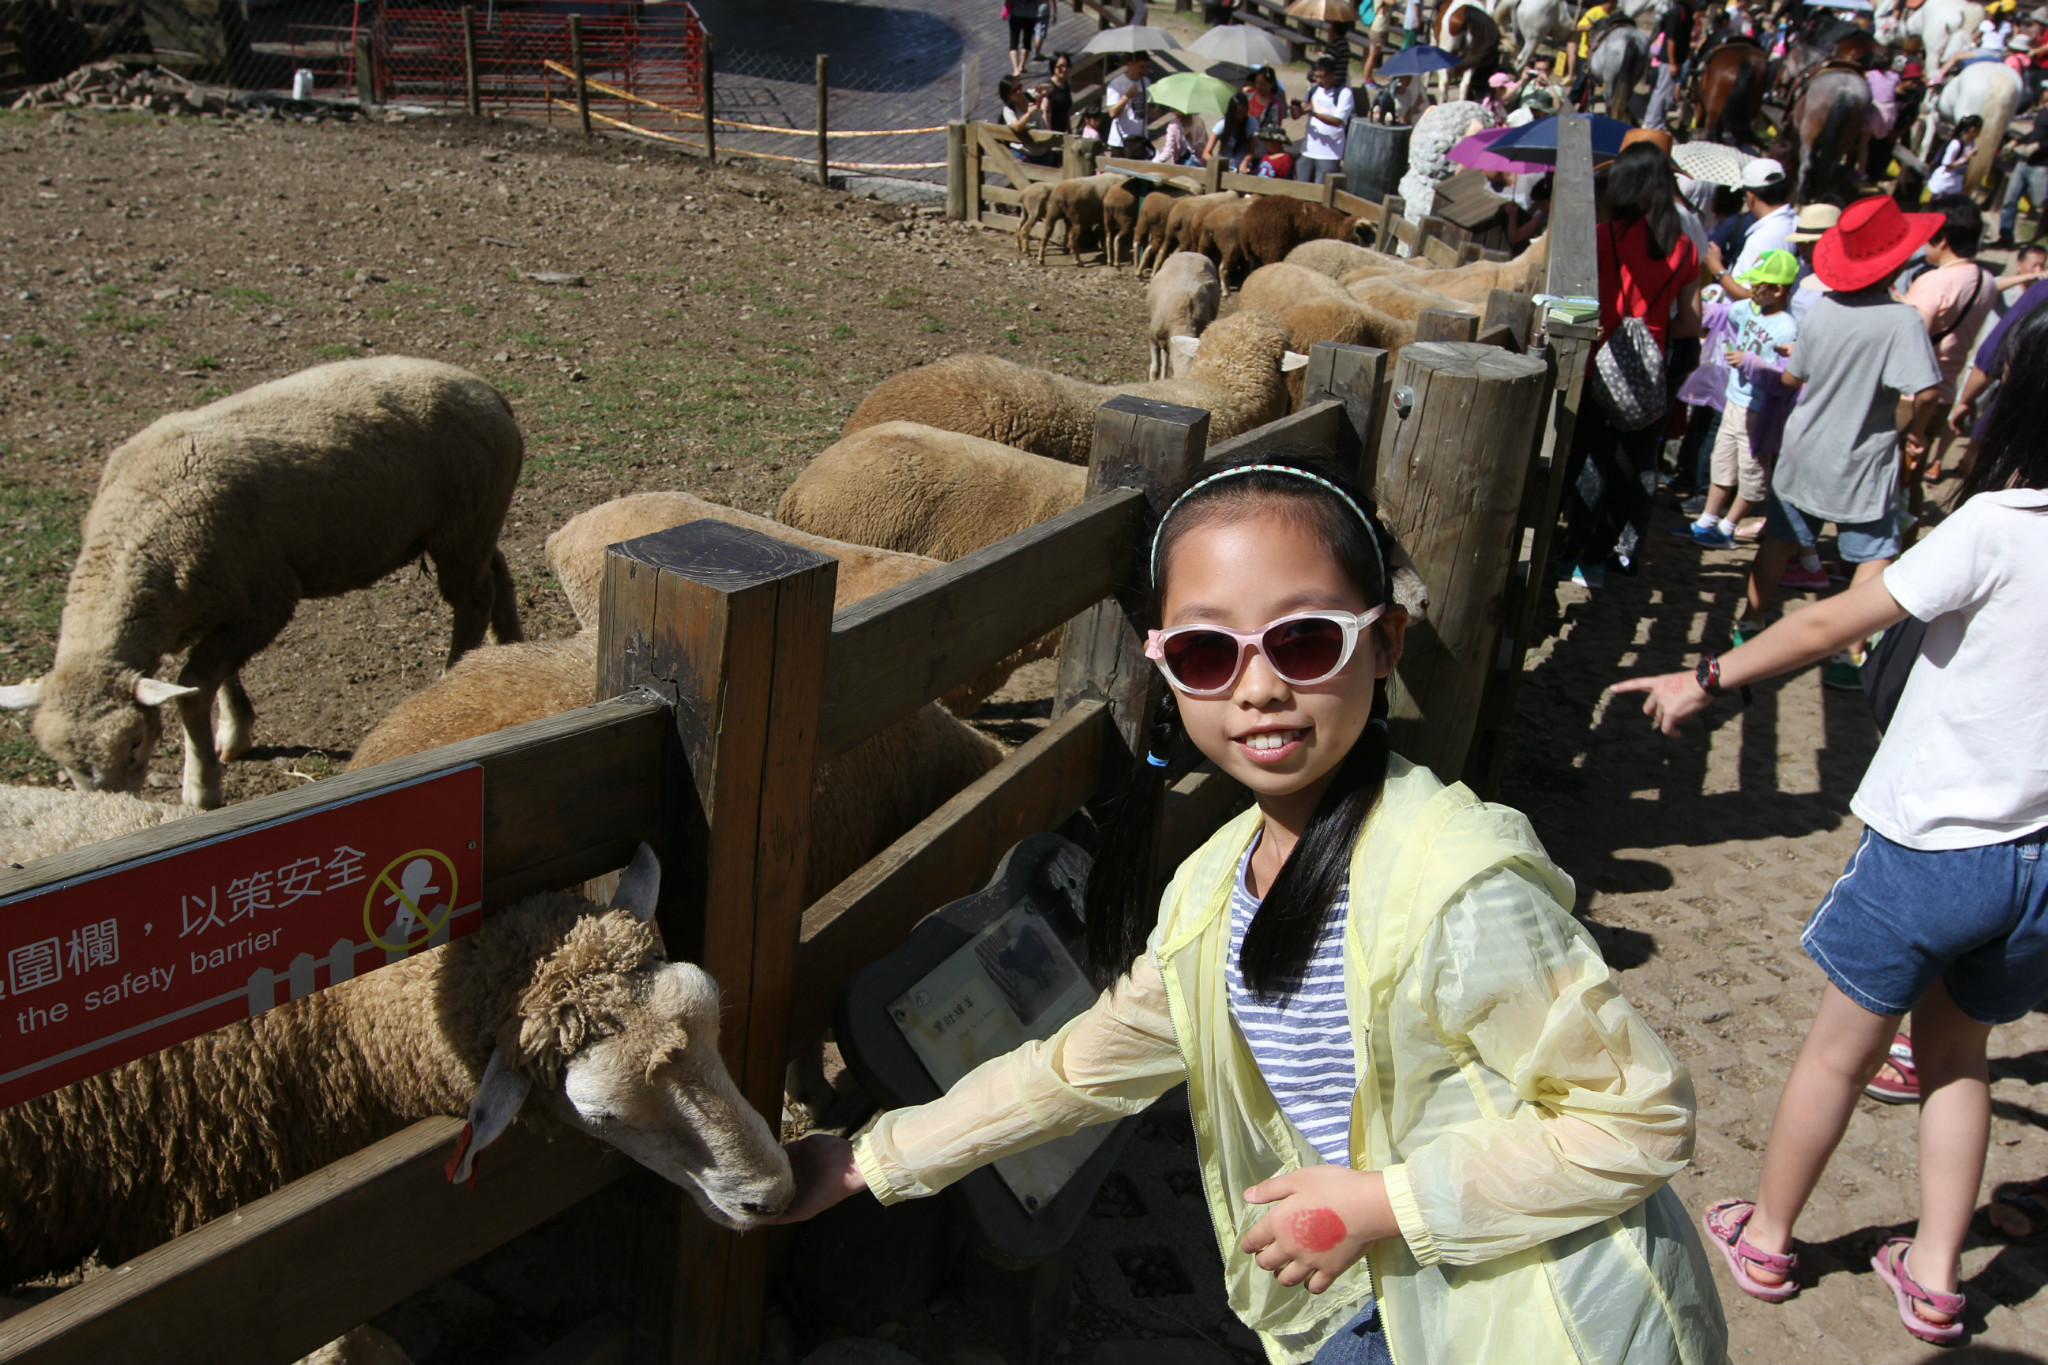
x=1431, y=1129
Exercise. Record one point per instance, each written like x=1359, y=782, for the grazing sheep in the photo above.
x=1274, y=225
x=860, y=803
x=551, y=995
x=1237, y=373
x=210, y=526
x=38, y=821
x=1404, y=298
x=1220, y=236
x=1150, y=234
x=1078, y=204
x=1346, y=322
x=1180, y=302
x=576, y=551
x=1184, y=221
x=1474, y=281
x=1034, y=197
x=1336, y=259
x=1120, y=207
x=1412, y=266
x=922, y=491
x=1278, y=287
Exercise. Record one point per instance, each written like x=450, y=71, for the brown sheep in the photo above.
x=1078, y=204
x=1150, y=234
x=1343, y=321
x=1274, y=225
x=1220, y=240
x=1406, y=298
x=1276, y=288
x=1184, y=220
x=1033, y=199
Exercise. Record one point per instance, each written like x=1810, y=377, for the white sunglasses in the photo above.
x=1304, y=649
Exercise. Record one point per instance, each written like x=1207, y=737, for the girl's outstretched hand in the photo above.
x=825, y=1174
x=1673, y=697
x=1322, y=1220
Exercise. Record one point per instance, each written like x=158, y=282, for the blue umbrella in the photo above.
x=1537, y=140
x=1419, y=60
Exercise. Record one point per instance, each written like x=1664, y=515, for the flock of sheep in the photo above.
x=210, y=526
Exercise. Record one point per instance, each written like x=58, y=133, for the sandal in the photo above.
x=1903, y=1085
x=1724, y=1223
x=2028, y=1199
x=1890, y=1265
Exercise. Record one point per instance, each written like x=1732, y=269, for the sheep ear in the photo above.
x=1292, y=360
x=22, y=696
x=639, y=885
x=498, y=1098
x=1184, y=347
x=155, y=692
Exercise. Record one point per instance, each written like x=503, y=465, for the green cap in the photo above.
x=1773, y=267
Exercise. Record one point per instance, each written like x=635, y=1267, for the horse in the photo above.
x=1619, y=62
x=1828, y=118
x=1990, y=90
x=1945, y=27
x=1469, y=32
x=1728, y=91
x=1534, y=22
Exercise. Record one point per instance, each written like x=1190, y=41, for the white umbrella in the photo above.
x=1132, y=38
x=1711, y=162
x=1241, y=44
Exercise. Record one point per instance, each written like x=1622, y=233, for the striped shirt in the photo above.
x=1302, y=1043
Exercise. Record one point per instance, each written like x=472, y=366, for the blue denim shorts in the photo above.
x=1858, y=542
x=1974, y=918
x=1361, y=1341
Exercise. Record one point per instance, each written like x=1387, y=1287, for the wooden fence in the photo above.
x=727, y=678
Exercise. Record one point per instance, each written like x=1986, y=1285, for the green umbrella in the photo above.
x=1193, y=93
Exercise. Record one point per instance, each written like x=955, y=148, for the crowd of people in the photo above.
x=1806, y=376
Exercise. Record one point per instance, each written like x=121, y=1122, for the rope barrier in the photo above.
x=570, y=107
x=617, y=93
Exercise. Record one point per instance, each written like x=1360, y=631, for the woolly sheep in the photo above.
x=1184, y=221
x=38, y=821
x=1149, y=236
x=1274, y=225
x=210, y=526
x=576, y=555
x=1413, y=266
x=1237, y=373
x=1346, y=322
x=1221, y=233
x=861, y=801
x=1278, y=287
x=1179, y=302
x=1475, y=280
x=922, y=491
x=1402, y=298
x=1078, y=204
x=552, y=994
x=1333, y=257
x=1033, y=199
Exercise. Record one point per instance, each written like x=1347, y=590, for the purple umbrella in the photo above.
x=1477, y=152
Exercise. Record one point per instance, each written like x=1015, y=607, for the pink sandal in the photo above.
x=1890, y=1265
x=1724, y=1223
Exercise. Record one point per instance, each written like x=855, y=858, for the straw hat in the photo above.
x=1656, y=137
x=1873, y=238
x=1814, y=220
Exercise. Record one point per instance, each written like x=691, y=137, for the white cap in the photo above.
x=1762, y=174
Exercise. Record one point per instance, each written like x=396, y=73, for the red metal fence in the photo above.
x=652, y=51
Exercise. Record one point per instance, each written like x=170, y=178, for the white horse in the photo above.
x=1619, y=63
x=1552, y=21
x=1990, y=90
x=1945, y=27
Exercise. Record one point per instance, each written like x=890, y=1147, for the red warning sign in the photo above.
x=122, y=963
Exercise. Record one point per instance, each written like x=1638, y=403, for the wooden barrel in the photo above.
x=1375, y=158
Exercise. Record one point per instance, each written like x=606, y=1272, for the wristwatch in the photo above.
x=1707, y=673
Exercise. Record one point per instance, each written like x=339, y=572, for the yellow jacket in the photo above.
x=1525, y=1117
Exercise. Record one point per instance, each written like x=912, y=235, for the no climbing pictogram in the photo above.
x=415, y=907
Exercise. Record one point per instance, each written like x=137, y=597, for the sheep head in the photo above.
x=100, y=725
x=626, y=1044
x=1247, y=346
x=1359, y=230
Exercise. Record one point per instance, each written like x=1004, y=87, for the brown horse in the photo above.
x=1829, y=116
x=1728, y=92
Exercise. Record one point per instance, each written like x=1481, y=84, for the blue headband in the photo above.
x=1371, y=532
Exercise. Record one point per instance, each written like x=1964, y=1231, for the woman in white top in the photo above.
x=1943, y=910
x=1947, y=175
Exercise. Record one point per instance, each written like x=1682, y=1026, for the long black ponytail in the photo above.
x=1123, y=891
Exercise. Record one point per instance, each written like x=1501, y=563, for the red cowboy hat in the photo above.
x=1873, y=238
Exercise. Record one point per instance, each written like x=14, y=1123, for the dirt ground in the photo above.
x=727, y=323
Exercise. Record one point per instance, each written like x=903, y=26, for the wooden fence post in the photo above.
x=472, y=96
x=576, y=64
x=1352, y=375
x=824, y=172
x=1150, y=446
x=1077, y=157
x=1212, y=176
x=710, y=119
x=1445, y=324
x=1450, y=487
x=971, y=183
x=956, y=170
x=1514, y=312
x=1332, y=184
x=366, y=71
x=732, y=627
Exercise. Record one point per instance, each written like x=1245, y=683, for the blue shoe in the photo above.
x=1685, y=529
x=1714, y=538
